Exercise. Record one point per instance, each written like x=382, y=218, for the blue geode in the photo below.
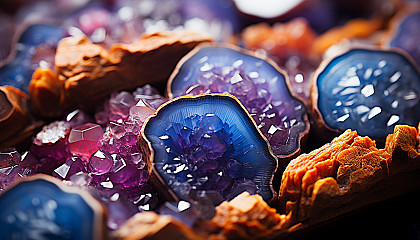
x=41, y=207
x=18, y=71
x=370, y=91
x=208, y=146
x=256, y=82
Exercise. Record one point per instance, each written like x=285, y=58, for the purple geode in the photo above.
x=258, y=85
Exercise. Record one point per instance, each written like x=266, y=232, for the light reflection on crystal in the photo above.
x=370, y=95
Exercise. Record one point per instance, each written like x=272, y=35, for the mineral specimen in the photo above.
x=348, y=173
x=42, y=207
x=83, y=140
x=404, y=34
x=207, y=148
x=370, y=91
x=249, y=217
x=35, y=47
x=257, y=83
x=86, y=72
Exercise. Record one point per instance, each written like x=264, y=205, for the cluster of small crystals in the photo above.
x=98, y=154
x=372, y=96
x=202, y=159
x=272, y=117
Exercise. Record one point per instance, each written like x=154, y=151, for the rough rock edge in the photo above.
x=348, y=173
x=86, y=73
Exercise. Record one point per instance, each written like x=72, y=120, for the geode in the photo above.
x=370, y=91
x=207, y=149
x=258, y=84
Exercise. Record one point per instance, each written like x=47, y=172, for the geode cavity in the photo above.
x=257, y=83
x=208, y=148
x=370, y=91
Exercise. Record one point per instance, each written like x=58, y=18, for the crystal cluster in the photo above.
x=102, y=156
x=206, y=149
x=254, y=93
x=202, y=158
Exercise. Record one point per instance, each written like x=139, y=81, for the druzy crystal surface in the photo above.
x=100, y=155
x=370, y=91
x=259, y=86
x=207, y=147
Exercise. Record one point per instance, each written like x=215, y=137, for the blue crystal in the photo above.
x=369, y=91
x=18, y=71
x=201, y=145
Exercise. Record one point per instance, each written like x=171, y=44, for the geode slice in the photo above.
x=34, y=47
x=207, y=149
x=256, y=82
x=41, y=207
x=370, y=91
x=405, y=32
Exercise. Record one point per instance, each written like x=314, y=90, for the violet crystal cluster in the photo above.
x=99, y=154
x=258, y=85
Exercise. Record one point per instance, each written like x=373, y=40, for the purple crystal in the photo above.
x=84, y=140
x=77, y=118
x=80, y=179
x=100, y=163
x=140, y=111
x=149, y=96
x=120, y=209
x=69, y=168
x=126, y=173
x=10, y=174
x=182, y=210
x=143, y=196
x=52, y=142
x=120, y=104
x=200, y=154
x=8, y=157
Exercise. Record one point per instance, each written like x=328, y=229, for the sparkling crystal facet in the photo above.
x=83, y=140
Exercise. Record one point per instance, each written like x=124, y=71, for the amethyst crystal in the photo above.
x=69, y=168
x=100, y=162
x=260, y=87
x=202, y=148
x=52, y=142
x=9, y=156
x=83, y=140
